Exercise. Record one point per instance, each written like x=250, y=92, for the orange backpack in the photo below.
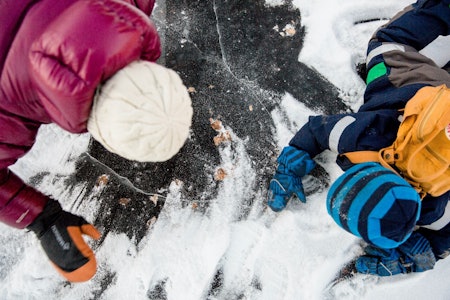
x=421, y=151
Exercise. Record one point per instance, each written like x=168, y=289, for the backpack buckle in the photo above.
x=389, y=156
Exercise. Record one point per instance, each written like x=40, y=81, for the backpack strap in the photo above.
x=384, y=157
x=357, y=157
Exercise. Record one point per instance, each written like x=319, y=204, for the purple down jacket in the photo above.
x=53, y=55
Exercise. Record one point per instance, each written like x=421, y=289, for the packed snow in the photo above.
x=288, y=255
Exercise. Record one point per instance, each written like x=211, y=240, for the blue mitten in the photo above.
x=293, y=164
x=414, y=255
x=417, y=249
x=382, y=262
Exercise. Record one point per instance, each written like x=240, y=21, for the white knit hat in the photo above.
x=142, y=113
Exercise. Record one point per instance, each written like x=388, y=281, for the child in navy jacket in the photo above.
x=404, y=232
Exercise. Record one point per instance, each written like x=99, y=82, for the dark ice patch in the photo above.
x=239, y=65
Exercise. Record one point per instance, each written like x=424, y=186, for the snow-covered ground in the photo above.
x=289, y=255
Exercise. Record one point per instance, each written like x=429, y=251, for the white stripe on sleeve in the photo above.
x=386, y=47
x=438, y=50
x=442, y=221
x=336, y=132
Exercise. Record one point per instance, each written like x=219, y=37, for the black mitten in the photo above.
x=60, y=233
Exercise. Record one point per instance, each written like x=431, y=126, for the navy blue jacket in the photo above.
x=402, y=42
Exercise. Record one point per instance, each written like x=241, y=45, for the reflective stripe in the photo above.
x=336, y=132
x=438, y=50
x=442, y=221
x=22, y=216
x=383, y=49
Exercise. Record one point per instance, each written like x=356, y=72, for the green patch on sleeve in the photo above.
x=376, y=72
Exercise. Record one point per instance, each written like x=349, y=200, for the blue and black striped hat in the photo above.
x=375, y=204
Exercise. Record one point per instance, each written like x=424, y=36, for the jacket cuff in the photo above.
x=51, y=212
x=20, y=204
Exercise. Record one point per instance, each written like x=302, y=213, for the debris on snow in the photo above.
x=191, y=90
x=223, y=135
x=288, y=30
x=151, y=222
x=220, y=174
x=194, y=205
x=154, y=198
x=216, y=124
x=124, y=201
x=102, y=181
